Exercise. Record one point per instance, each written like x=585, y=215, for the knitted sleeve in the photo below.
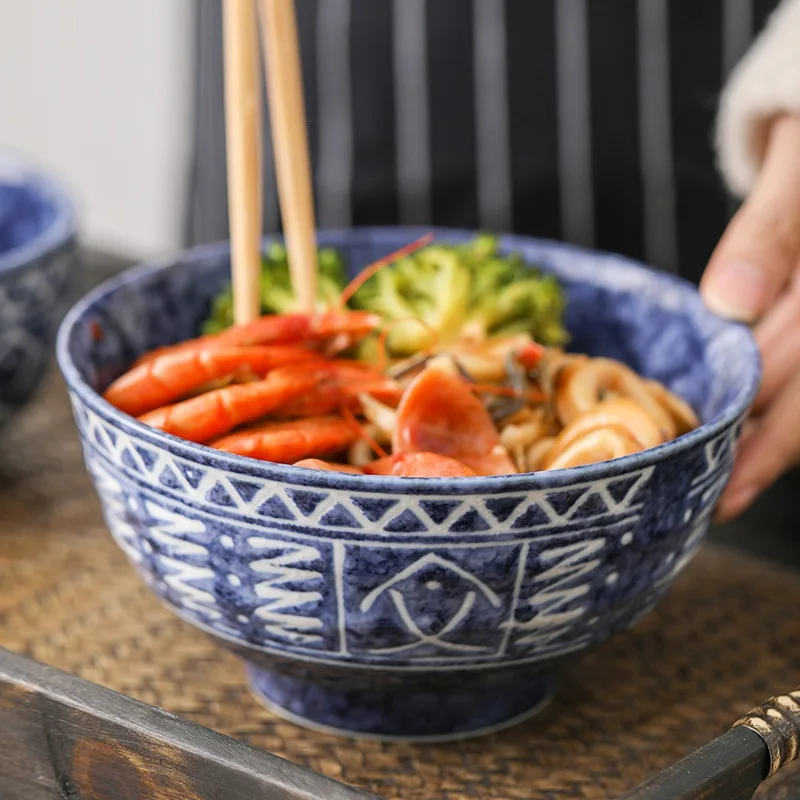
x=763, y=84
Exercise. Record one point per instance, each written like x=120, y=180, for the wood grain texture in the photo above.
x=62, y=738
x=290, y=144
x=243, y=154
x=731, y=767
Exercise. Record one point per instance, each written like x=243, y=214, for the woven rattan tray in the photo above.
x=726, y=637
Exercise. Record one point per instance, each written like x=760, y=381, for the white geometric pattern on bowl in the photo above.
x=285, y=544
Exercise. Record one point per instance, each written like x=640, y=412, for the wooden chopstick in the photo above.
x=290, y=144
x=243, y=145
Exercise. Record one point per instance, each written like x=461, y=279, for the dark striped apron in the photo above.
x=584, y=120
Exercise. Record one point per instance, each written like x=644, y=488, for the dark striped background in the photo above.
x=703, y=38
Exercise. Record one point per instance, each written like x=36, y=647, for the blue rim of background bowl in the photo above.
x=15, y=169
x=492, y=484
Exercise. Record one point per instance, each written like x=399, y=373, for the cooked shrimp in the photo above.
x=174, y=375
x=290, y=442
x=440, y=414
x=581, y=385
x=598, y=444
x=419, y=465
x=281, y=329
x=214, y=413
x=340, y=384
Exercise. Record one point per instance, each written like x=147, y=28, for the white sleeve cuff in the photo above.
x=763, y=84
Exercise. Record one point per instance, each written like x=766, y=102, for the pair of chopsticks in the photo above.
x=277, y=23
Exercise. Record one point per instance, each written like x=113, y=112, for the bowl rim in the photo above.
x=16, y=169
x=373, y=484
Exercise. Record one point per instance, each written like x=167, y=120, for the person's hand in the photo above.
x=754, y=276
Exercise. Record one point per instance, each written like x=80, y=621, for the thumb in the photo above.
x=759, y=250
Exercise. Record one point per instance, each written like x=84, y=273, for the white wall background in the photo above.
x=99, y=91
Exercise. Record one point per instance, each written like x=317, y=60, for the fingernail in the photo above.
x=738, y=291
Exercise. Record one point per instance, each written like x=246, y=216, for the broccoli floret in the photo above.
x=430, y=297
x=277, y=296
x=221, y=313
x=412, y=290
x=447, y=289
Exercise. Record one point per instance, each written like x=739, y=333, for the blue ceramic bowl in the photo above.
x=37, y=266
x=411, y=608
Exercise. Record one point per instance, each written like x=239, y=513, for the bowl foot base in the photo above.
x=394, y=708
